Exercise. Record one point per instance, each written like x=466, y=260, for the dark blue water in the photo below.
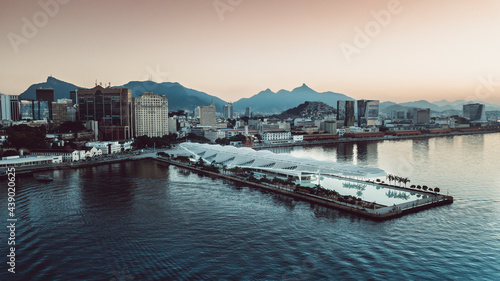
x=149, y=221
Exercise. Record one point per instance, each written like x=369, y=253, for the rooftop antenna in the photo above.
x=96, y=82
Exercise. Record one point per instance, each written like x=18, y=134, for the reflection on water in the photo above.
x=345, y=152
x=476, y=141
x=398, y=194
x=368, y=191
x=366, y=153
x=285, y=149
x=420, y=146
x=177, y=225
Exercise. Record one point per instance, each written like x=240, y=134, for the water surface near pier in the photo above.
x=155, y=222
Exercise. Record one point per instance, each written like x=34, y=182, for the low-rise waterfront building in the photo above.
x=125, y=145
x=107, y=147
x=277, y=136
x=29, y=161
x=92, y=152
x=68, y=155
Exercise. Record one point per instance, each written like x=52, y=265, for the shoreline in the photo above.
x=377, y=214
x=30, y=170
x=386, y=137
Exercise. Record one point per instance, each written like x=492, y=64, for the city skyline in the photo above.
x=388, y=50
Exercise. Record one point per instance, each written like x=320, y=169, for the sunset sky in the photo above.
x=433, y=50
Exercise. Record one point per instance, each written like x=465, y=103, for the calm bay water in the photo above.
x=151, y=221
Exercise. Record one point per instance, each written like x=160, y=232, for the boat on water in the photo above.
x=44, y=178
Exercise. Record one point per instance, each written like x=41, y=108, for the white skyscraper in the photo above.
x=9, y=107
x=228, y=111
x=208, y=115
x=151, y=115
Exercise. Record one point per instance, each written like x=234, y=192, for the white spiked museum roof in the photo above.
x=281, y=163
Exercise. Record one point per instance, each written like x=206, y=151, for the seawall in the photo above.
x=387, y=137
x=380, y=214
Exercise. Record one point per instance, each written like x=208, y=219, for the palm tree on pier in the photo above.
x=406, y=180
x=391, y=178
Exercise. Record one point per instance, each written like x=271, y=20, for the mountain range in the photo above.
x=270, y=102
x=267, y=101
x=443, y=106
x=179, y=97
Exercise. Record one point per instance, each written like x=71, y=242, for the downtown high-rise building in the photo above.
x=63, y=111
x=421, y=116
x=110, y=107
x=345, y=113
x=208, y=117
x=9, y=107
x=368, y=112
x=248, y=112
x=228, y=111
x=474, y=112
x=150, y=114
x=47, y=95
x=34, y=110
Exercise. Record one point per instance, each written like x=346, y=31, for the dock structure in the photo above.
x=379, y=213
x=301, y=170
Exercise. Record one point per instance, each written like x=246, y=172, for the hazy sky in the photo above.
x=428, y=49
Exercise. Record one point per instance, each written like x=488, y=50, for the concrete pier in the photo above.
x=380, y=213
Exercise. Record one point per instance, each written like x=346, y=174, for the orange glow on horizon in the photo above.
x=397, y=50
